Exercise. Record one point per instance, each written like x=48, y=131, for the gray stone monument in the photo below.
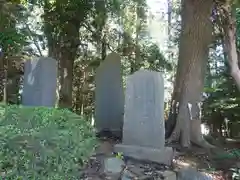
x=40, y=82
x=109, y=96
x=143, y=129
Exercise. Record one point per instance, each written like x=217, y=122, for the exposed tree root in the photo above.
x=175, y=136
x=194, y=135
x=203, y=143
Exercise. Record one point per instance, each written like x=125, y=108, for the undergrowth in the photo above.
x=43, y=143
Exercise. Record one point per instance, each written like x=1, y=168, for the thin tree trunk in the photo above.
x=195, y=38
x=2, y=77
x=13, y=83
x=138, y=30
x=104, y=47
x=6, y=68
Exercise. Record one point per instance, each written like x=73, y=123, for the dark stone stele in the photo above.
x=109, y=97
x=40, y=82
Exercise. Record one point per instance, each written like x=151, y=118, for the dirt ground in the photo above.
x=207, y=161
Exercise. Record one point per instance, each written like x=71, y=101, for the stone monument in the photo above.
x=143, y=129
x=109, y=96
x=40, y=82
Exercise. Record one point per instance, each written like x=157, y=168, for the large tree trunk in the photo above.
x=63, y=41
x=195, y=38
x=66, y=78
x=65, y=56
x=230, y=48
x=64, y=49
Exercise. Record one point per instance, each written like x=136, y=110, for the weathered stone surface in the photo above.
x=113, y=165
x=127, y=175
x=169, y=175
x=109, y=107
x=144, y=110
x=143, y=131
x=191, y=174
x=163, y=155
x=40, y=82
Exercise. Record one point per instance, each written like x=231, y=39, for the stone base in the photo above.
x=110, y=133
x=163, y=156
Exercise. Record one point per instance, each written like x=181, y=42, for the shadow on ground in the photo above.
x=214, y=163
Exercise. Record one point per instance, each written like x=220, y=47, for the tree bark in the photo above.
x=13, y=83
x=63, y=41
x=2, y=77
x=230, y=47
x=2, y=74
x=195, y=38
x=64, y=48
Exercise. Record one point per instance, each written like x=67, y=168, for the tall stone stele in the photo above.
x=109, y=96
x=143, y=129
x=40, y=82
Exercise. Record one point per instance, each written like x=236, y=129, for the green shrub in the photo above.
x=43, y=143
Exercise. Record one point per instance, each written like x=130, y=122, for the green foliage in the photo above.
x=12, y=38
x=11, y=41
x=119, y=155
x=43, y=143
x=224, y=98
x=231, y=154
x=155, y=58
x=223, y=95
x=83, y=33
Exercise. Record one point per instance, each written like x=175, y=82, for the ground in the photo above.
x=205, y=161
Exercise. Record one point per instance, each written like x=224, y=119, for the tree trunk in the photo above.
x=6, y=68
x=65, y=52
x=104, y=47
x=195, y=38
x=65, y=80
x=2, y=77
x=63, y=41
x=77, y=91
x=230, y=47
x=13, y=81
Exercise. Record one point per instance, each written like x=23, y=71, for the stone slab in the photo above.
x=144, y=110
x=40, y=82
x=162, y=156
x=109, y=96
x=113, y=165
x=143, y=130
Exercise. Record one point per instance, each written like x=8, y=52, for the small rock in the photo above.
x=191, y=174
x=127, y=175
x=113, y=165
x=169, y=175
